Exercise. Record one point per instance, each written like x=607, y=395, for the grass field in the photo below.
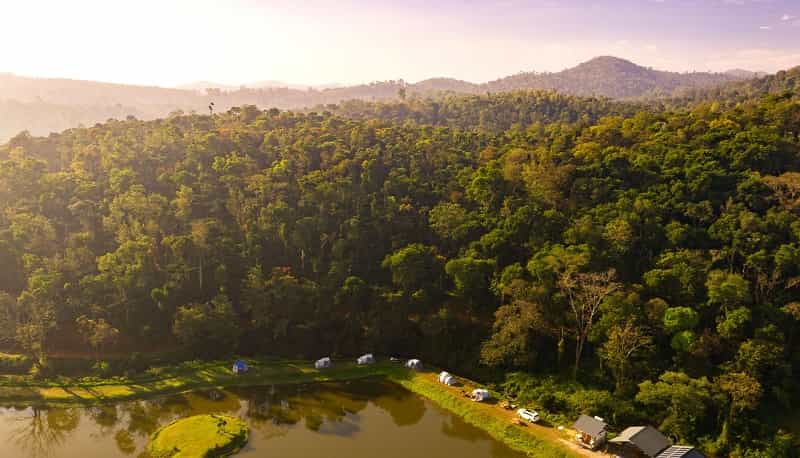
x=199, y=436
x=65, y=391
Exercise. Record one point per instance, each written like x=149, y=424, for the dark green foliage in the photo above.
x=653, y=254
x=211, y=329
x=14, y=364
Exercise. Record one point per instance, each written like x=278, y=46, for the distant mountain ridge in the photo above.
x=614, y=78
x=203, y=86
x=44, y=105
x=745, y=74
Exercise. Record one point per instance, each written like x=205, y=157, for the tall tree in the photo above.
x=585, y=293
x=624, y=343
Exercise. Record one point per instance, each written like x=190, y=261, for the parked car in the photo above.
x=529, y=415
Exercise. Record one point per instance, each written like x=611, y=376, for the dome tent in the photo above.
x=446, y=378
x=239, y=367
x=365, y=359
x=323, y=363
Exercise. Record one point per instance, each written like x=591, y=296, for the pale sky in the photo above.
x=170, y=42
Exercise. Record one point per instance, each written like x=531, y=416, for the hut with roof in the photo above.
x=639, y=442
x=591, y=431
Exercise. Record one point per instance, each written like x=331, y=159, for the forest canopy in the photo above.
x=653, y=256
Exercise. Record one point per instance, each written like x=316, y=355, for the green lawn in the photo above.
x=199, y=436
x=62, y=391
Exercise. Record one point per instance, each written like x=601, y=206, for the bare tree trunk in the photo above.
x=578, y=351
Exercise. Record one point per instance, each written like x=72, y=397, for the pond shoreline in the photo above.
x=69, y=392
x=188, y=376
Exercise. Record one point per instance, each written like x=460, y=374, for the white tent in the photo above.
x=366, y=359
x=414, y=364
x=447, y=379
x=323, y=363
x=480, y=395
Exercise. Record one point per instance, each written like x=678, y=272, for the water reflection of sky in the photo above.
x=355, y=419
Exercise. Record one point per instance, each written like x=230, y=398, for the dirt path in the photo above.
x=546, y=433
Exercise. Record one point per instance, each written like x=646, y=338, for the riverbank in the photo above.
x=68, y=391
x=535, y=440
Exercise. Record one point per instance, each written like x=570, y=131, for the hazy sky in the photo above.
x=168, y=42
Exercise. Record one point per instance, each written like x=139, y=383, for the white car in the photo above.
x=529, y=415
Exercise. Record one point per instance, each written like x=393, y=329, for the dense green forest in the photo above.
x=785, y=83
x=585, y=255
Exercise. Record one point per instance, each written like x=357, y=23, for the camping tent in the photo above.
x=414, y=364
x=323, y=363
x=447, y=379
x=239, y=367
x=480, y=395
x=366, y=359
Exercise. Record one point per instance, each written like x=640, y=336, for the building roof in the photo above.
x=680, y=451
x=589, y=425
x=646, y=438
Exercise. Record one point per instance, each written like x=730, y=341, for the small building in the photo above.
x=365, y=359
x=323, y=363
x=640, y=442
x=480, y=395
x=446, y=378
x=414, y=364
x=680, y=451
x=591, y=431
x=239, y=367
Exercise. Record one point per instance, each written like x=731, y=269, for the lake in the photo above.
x=359, y=419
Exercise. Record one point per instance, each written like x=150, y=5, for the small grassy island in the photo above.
x=204, y=436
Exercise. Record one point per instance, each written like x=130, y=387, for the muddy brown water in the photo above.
x=360, y=419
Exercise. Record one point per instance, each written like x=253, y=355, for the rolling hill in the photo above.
x=614, y=78
x=44, y=105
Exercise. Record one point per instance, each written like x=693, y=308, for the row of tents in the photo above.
x=480, y=394
x=477, y=395
x=240, y=366
x=363, y=360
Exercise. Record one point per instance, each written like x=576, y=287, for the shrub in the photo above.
x=15, y=364
x=101, y=369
